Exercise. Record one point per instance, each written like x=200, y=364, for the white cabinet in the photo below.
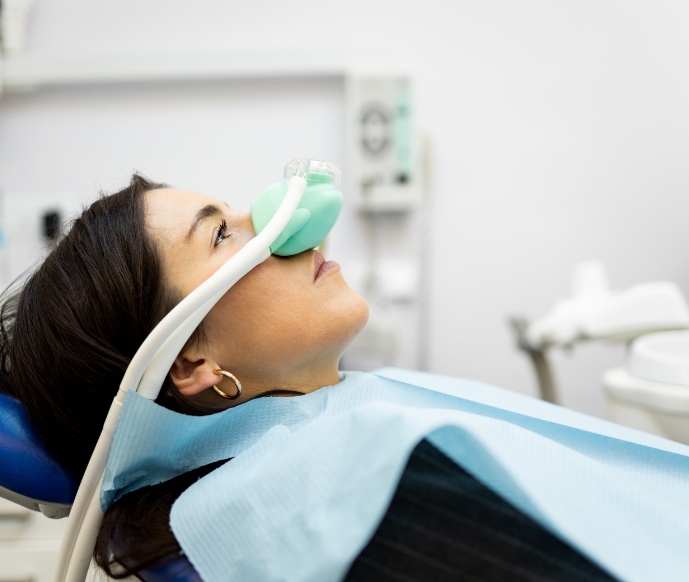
x=29, y=544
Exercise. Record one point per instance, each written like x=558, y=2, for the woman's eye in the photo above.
x=221, y=234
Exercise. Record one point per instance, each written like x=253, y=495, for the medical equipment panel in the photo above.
x=383, y=155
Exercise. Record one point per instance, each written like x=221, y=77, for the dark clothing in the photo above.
x=443, y=525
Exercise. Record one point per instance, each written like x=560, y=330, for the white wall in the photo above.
x=560, y=132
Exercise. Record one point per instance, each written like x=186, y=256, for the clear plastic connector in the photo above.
x=313, y=170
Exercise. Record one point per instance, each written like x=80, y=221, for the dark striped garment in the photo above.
x=443, y=525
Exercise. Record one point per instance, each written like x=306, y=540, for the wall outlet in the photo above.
x=26, y=218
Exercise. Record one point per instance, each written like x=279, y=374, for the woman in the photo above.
x=70, y=331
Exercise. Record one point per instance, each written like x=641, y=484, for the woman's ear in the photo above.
x=193, y=375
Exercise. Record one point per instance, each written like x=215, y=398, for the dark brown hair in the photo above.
x=67, y=335
x=136, y=532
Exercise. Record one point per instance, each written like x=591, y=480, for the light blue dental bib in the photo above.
x=312, y=476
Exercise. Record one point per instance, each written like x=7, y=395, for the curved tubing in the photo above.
x=73, y=561
x=161, y=362
x=146, y=373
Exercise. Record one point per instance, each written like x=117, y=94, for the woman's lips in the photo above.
x=321, y=266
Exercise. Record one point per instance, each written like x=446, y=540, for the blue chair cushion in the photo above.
x=26, y=468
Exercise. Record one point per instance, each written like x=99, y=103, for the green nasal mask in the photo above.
x=313, y=219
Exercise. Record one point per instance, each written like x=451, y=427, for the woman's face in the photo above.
x=279, y=328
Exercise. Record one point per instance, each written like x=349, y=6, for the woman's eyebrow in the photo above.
x=206, y=212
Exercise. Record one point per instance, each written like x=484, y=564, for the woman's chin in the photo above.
x=357, y=314
x=363, y=306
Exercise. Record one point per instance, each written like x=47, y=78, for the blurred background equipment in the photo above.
x=651, y=392
x=382, y=143
x=14, y=24
x=386, y=187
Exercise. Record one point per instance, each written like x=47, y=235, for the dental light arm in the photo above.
x=597, y=312
x=281, y=227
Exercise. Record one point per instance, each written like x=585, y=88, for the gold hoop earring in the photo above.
x=232, y=377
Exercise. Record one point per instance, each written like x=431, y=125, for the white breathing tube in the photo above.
x=147, y=371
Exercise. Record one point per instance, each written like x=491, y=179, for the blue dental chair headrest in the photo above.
x=29, y=475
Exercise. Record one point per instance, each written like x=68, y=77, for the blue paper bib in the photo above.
x=312, y=476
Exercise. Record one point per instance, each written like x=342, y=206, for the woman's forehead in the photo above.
x=174, y=200
x=169, y=206
x=170, y=212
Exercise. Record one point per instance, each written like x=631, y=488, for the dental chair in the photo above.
x=30, y=477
